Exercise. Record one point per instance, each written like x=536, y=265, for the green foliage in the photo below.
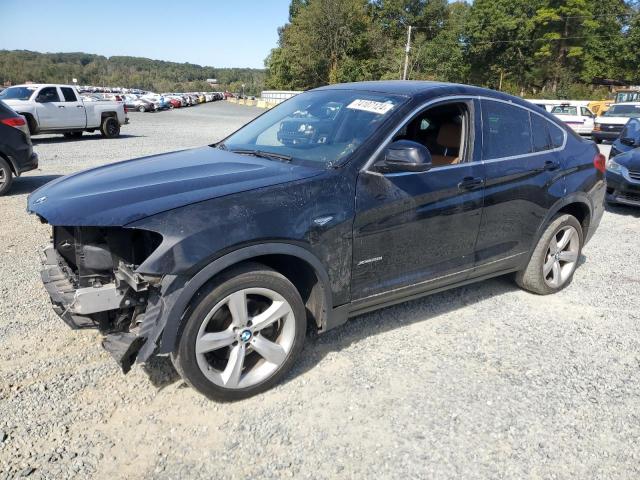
x=18, y=66
x=551, y=48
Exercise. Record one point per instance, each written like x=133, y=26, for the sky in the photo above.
x=213, y=33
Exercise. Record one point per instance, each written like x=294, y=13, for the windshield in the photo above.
x=565, y=110
x=627, y=97
x=17, y=93
x=320, y=127
x=631, y=111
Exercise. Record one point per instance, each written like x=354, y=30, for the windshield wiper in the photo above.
x=263, y=154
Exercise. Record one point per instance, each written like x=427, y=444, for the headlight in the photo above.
x=615, y=167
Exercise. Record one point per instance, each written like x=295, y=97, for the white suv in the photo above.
x=578, y=117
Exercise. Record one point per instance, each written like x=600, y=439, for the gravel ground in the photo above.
x=484, y=381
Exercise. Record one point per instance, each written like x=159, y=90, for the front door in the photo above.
x=417, y=230
x=49, y=108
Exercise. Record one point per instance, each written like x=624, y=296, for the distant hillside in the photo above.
x=18, y=66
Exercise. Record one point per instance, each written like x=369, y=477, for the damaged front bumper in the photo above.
x=129, y=311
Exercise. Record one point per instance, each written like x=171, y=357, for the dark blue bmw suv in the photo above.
x=341, y=200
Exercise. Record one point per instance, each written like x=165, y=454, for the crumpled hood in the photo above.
x=124, y=192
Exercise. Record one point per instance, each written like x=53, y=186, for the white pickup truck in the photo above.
x=52, y=108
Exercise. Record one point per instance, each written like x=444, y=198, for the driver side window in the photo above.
x=442, y=130
x=48, y=94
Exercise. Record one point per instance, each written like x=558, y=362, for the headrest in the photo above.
x=449, y=135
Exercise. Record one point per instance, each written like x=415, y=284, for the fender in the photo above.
x=576, y=197
x=12, y=164
x=173, y=317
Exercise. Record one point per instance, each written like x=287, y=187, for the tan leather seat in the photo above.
x=449, y=137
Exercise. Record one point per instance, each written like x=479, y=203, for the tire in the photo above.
x=142, y=109
x=6, y=176
x=110, y=127
x=213, y=371
x=73, y=134
x=551, y=269
x=31, y=123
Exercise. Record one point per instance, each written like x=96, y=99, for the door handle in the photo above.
x=469, y=183
x=60, y=106
x=79, y=106
x=550, y=165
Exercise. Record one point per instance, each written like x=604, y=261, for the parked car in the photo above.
x=579, y=118
x=628, y=139
x=609, y=125
x=16, y=153
x=623, y=178
x=221, y=255
x=52, y=108
x=132, y=102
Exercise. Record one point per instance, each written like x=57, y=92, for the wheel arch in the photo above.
x=12, y=164
x=297, y=264
x=577, y=204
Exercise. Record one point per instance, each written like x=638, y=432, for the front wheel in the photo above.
x=142, y=109
x=110, y=127
x=555, y=258
x=242, y=334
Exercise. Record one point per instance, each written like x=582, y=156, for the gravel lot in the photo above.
x=484, y=381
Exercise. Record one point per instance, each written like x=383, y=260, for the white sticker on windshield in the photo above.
x=371, y=106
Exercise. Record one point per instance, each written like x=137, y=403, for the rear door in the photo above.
x=74, y=111
x=521, y=152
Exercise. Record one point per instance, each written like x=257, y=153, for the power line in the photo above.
x=542, y=39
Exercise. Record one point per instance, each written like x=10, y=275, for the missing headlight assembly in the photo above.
x=90, y=275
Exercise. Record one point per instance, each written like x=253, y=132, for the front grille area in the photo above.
x=609, y=127
x=635, y=174
x=632, y=197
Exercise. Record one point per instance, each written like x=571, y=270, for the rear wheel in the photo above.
x=142, y=109
x=242, y=334
x=555, y=258
x=6, y=176
x=110, y=127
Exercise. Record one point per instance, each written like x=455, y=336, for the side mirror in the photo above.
x=405, y=156
x=628, y=141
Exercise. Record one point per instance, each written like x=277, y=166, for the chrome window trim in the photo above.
x=415, y=111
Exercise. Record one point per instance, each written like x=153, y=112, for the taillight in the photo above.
x=600, y=162
x=14, y=121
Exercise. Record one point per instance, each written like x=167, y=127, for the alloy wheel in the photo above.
x=3, y=177
x=245, y=338
x=562, y=257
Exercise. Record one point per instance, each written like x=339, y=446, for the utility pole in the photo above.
x=406, y=54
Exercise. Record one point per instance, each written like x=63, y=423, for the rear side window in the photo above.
x=565, y=110
x=68, y=94
x=557, y=135
x=540, y=133
x=506, y=131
